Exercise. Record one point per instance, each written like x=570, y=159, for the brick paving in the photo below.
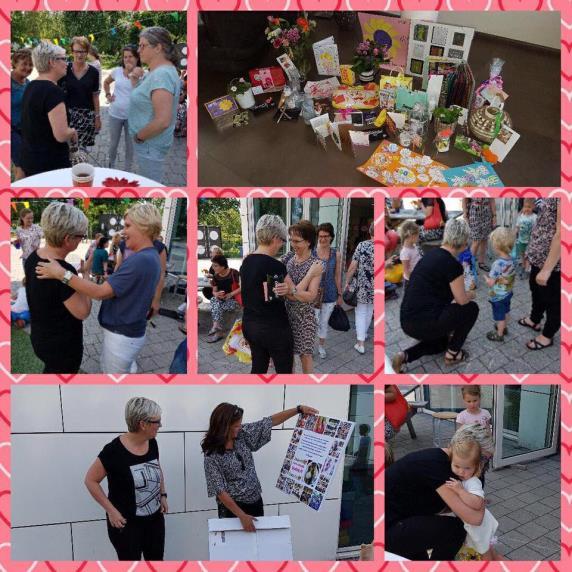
x=524, y=498
x=341, y=355
x=510, y=356
x=161, y=343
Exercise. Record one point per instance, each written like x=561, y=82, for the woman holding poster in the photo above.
x=229, y=466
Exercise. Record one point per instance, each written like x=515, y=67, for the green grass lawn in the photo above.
x=24, y=359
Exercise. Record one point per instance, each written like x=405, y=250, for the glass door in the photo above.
x=527, y=422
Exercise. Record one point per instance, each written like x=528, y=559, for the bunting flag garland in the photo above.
x=138, y=24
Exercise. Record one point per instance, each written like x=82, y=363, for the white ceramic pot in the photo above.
x=246, y=99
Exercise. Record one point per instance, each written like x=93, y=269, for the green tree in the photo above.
x=226, y=214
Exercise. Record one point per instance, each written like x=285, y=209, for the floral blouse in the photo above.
x=364, y=257
x=29, y=239
x=542, y=234
x=233, y=471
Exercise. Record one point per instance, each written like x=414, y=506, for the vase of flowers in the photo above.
x=241, y=90
x=292, y=39
x=446, y=117
x=368, y=56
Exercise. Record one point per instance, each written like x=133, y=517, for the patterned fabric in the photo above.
x=218, y=307
x=480, y=219
x=84, y=121
x=363, y=255
x=427, y=235
x=542, y=234
x=233, y=471
x=502, y=271
x=29, y=239
x=525, y=225
x=301, y=314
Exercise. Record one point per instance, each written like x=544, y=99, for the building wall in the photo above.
x=59, y=430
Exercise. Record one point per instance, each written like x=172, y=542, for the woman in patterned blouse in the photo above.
x=543, y=253
x=229, y=466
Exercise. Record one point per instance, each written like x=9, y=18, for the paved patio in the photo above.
x=524, y=498
x=509, y=356
x=341, y=357
x=161, y=343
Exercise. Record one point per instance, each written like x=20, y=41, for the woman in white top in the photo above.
x=119, y=104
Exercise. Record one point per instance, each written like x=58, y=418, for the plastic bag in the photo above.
x=339, y=320
x=494, y=81
x=236, y=344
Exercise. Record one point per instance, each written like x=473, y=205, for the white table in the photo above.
x=63, y=178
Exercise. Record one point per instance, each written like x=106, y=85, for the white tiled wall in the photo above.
x=58, y=432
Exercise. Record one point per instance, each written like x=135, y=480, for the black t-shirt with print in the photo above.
x=429, y=290
x=134, y=481
x=253, y=273
x=53, y=326
x=411, y=484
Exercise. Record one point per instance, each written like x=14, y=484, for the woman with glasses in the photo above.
x=81, y=85
x=127, y=295
x=154, y=100
x=56, y=309
x=264, y=284
x=44, y=123
x=229, y=466
x=137, y=500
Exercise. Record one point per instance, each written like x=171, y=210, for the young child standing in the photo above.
x=501, y=281
x=473, y=412
x=410, y=254
x=524, y=225
x=465, y=459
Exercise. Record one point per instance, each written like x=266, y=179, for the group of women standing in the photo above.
x=137, y=499
x=61, y=106
x=287, y=302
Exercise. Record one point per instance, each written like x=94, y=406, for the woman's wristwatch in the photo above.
x=299, y=409
x=164, y=495
x=67, y=277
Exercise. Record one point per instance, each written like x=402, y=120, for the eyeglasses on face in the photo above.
x=79, y=52
x=296, y=240
x=154, y=422
x=61, y=59
x=141, y=46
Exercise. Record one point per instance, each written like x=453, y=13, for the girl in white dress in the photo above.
x=466, y=466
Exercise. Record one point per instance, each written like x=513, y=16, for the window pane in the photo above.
x=356, y=517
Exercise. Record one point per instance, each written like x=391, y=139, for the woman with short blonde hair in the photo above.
x=56, y=310
x=427, y=312
x=128, y=294
x=45, y=129
x=137, y=499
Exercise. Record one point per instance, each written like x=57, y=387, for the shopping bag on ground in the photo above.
x=339, y=320
x=236, y=344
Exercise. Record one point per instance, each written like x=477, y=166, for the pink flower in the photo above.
x=277, y=43
x=375, y=51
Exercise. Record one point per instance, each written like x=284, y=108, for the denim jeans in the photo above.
x=150, y=161
x=119, y=352
x=115, y=128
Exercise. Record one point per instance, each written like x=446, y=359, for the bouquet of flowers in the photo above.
x=238, y=86
x=293, y=39
x=369, y=55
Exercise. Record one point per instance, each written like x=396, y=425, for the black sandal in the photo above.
x=537, y=345
x=454, y=360
x=484, y=267
x=535, y=327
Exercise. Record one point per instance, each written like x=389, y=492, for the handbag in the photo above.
x=349, y=295
x=395, y=81
x=235, y=285
x=396, y=411
x=339, y=320
x=435, y=219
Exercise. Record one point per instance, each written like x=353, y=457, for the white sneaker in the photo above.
x=359, y=349
x=322, y=352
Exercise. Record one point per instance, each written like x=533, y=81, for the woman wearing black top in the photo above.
x=229, y=466
x=415, y=494
x=56, y=309
x=264, y=321
x=137, y=498
x=45, y=129
x=81, y=85
x=427, y=312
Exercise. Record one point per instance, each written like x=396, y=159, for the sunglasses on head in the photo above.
x=237, y=411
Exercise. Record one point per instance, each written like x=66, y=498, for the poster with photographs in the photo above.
x=437, y=40
x=316, y=448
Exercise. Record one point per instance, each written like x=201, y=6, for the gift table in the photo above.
x=263, y=153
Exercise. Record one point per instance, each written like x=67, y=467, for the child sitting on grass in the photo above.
x=501, y=280
x=410, y=254
x=19, y=309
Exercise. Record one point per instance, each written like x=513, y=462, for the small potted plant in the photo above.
x=446, y=117
x=241, y=90
x=369, y=55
